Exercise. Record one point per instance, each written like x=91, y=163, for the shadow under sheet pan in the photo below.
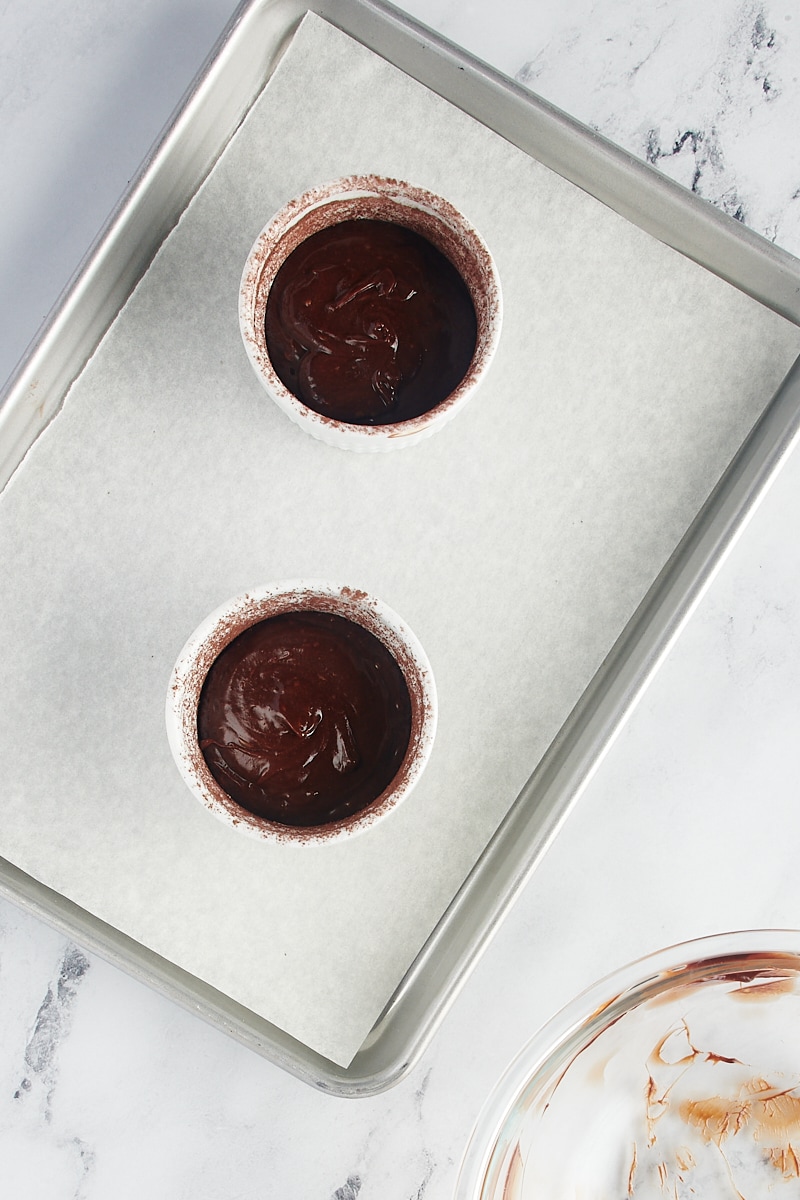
x=444, y=906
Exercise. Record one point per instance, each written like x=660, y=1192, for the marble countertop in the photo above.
x=689, y=826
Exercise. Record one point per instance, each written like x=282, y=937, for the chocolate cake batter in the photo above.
x=304, y=718
x=368, y=323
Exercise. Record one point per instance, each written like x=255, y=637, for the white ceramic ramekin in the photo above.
x=237, y=615
x=376, y=198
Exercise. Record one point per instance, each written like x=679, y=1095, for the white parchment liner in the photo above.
x=516, y=543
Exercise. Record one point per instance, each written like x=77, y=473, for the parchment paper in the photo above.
x=516, y=543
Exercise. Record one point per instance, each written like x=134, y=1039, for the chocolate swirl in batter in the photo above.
x=368, y=323
x=304, y=718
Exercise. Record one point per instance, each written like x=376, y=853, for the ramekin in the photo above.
x=234, y=617
x=375, y=198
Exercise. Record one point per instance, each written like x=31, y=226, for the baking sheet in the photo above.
x=516, y=543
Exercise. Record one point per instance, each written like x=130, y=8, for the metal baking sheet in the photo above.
x=428, y=987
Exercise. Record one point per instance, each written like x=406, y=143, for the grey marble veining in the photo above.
x=708, y=93
x=40, y=1147
x=53, y=1022
x=735, y=79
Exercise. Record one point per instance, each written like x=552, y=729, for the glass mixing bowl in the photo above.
x=677, y=1077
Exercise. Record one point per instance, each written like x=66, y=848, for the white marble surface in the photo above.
x=690, y=825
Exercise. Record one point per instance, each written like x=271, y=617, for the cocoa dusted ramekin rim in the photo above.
x=378, y=198
x=222, y=626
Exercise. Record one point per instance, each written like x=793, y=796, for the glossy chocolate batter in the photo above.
x=368, y=323
x=304, y=718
